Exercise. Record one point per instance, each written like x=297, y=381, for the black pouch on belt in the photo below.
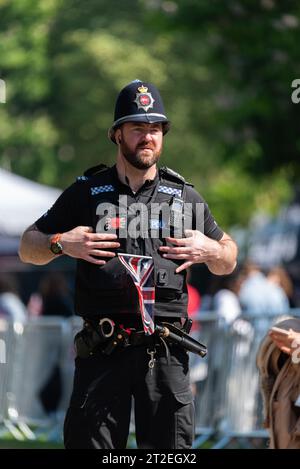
x=89, y=339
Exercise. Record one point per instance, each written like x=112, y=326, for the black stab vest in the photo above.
x=109, y=289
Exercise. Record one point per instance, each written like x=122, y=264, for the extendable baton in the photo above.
x=178, y=336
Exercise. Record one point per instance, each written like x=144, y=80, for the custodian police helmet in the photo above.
x=139, y=102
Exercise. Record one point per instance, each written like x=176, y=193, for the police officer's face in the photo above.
x=141, y=143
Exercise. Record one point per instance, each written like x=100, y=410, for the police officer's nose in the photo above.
x=147, y=137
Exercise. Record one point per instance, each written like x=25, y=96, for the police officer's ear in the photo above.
x=118, y=137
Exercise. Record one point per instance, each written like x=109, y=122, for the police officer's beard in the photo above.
x=136, y=159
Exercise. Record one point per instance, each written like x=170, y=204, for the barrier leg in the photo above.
x=223, y=442
x=201, y=439
x=28, y=433
x=14, y=430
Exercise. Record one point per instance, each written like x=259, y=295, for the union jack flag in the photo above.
x=141, y=269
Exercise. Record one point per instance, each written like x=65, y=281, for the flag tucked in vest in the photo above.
x=141, y=269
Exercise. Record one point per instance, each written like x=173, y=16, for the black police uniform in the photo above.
x=100, y=407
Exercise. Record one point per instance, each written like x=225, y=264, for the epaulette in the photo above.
x=91, y=172
x=168, y=173
x=95, y=170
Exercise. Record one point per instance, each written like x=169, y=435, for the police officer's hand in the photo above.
x=194, y=249
x=82, y=243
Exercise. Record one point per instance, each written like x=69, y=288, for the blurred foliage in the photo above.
x=224, y=69
x=254, y=57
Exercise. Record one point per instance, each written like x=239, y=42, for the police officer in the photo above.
x=111, y=368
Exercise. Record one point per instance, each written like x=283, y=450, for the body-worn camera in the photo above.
x=88, y=340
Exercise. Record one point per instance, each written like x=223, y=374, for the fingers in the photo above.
x=102, y=236
x=178, y=256
x=279, y=338
x=102, y=244
x=183, y=266
x=99, y=253
x=96, y=236
x=274, y=336
x=181, y=250
x=286, y=350
x=278, y=342
x=92, y=260
x=284, y=346
x=179, y=241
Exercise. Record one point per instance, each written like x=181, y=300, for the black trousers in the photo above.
x=99, y=413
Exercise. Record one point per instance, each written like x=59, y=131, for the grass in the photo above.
x=14, y=444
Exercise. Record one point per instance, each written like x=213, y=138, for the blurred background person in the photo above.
x=53, y=297
x=279, y=371
x=258, y=295
x=222, y=296
x=194, y=301
x=11, y=306
x=226, y=301
x=279, y=276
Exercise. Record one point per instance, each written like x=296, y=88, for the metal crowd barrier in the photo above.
x=5, y=365
x=225, y=383
x=232, y=401
x=38, y=374
x=7, y=346
x=204, y=373
x=242, y=406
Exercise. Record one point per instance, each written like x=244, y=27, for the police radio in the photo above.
x=176, y=221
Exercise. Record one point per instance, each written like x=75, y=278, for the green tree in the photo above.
x=224, y=69
x=27, y=134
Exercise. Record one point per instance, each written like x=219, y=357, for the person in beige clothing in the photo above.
x=278, y=361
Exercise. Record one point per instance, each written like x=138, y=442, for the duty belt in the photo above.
x=106, y=336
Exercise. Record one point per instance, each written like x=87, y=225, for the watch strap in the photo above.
x=55, y=245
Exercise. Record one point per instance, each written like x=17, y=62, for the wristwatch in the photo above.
x=55, y=245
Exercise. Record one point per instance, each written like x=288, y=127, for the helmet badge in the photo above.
x=143, y=99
